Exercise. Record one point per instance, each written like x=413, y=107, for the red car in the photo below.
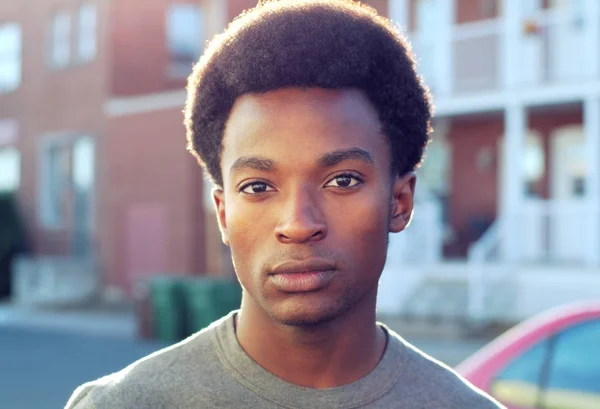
x=551, y=361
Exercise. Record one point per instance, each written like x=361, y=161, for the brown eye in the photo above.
x=344, y=181
x=256, y=188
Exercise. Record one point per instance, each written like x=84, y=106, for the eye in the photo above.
x=344, y=181
x=256, y=188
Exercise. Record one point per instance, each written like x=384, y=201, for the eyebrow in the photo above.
x=336, y=157
x=254, y=162
x=327, y=160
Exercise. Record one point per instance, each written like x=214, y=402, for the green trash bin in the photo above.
x=167, y=308
x=209, y=299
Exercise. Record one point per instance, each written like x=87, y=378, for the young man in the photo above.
x=310, y=120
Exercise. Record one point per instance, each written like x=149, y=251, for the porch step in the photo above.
x=446, y=299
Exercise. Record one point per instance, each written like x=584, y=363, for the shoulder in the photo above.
x=148, y=382
x=437, y=384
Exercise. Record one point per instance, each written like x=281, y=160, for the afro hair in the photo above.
x=330, y=44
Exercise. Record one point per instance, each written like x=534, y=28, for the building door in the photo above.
x=530, y=215
x=568, y=221
x=146, y=242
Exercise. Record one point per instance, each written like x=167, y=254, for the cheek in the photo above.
x=245, y=225
x=364, y=223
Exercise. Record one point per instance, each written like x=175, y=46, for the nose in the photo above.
x=302, y=219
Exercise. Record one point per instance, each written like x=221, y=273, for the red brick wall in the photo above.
x=148, y=165
x=475, y=10
x=380, y=5
x=139, y=47
x=62, y=102
x=235, y=7
x=474, y=191
x=466, y=11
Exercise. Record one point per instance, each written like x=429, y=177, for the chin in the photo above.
x=307, y=312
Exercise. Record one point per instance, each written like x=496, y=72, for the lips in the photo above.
x=303, y=276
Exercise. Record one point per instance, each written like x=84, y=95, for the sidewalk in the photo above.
x=92, y=322
x=443, y=342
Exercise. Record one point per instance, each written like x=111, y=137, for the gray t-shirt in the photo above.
x=211, y=370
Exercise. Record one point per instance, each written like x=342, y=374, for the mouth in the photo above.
x=304, y=276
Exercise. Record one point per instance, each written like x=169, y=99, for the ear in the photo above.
x=219, y=201
x=403, y=191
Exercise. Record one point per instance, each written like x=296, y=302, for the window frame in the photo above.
x=68, y=142
x=14, y=55
x=53, y=61
x=87, y=35
x=547, y=367
x=547, y=353
x=19, y=166
x=177, y=69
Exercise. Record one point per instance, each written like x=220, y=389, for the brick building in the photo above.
x=91, y=132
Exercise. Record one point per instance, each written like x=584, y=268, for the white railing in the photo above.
x=546, y=47
x=541, y=231
x=480, y=253
x=552, y=50
x=54, y=280
x=477, y=56
x=552, y=231
x=422, y=241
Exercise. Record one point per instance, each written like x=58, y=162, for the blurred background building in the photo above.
x=508, y=215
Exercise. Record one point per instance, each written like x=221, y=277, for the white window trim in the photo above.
x=45, y=218
x=17, y=183
x=65, y=43
x=87, y=35
x=16, y=58
x=175, y=70
x=47, y=142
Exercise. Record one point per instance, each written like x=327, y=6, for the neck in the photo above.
x=327, y=355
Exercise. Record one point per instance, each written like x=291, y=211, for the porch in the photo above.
x=475, y=63
x=464, y=293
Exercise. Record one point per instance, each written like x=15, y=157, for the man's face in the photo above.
x=308, y=200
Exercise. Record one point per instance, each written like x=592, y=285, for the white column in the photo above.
x=512, y=190
x=591, y=118
x=216, y=17
x=592, y=37
x=444, y=49
x=399, y=13
x=511, y=46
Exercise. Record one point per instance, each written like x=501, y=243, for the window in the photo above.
x=83, y=164
x=10, y=57
x=573, y=380
x=185, y=37
x=60, y=40
x=518, y=384
x=83, y=194
x=67, y=186
x=10, y=169
x=54, y=184
x=86, y=26
x=534, y=164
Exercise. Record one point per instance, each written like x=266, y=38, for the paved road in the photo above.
x=39, y=369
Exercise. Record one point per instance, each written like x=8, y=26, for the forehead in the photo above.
x=299, y=124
